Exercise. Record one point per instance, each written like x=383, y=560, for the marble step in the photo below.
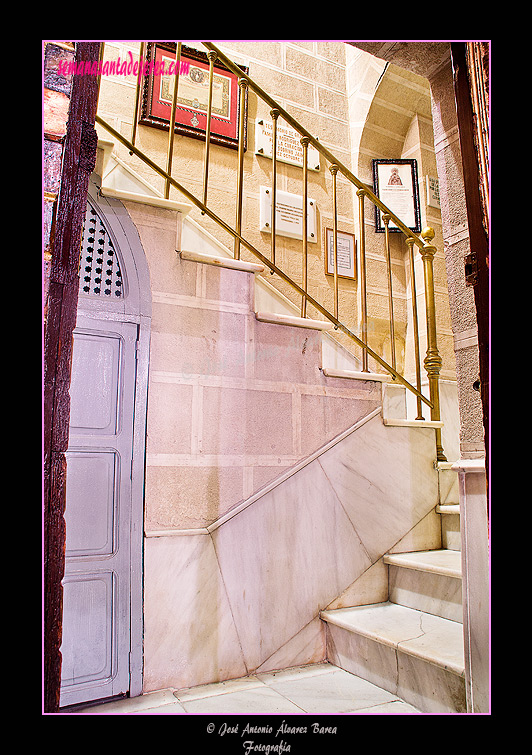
x=413, y=654
x=297, y=322
x=429, y=581
x=227, y=262
x=450, y=525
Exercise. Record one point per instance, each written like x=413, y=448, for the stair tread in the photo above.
x=448, y=508
x=299, y=322
x=228, y=262
x=356, y=375
x=430, y=638
x=445, y=562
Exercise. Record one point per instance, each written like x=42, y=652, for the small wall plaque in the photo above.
x=345, y=254
x=433, y=192
x=289, y=148
x=289, y=214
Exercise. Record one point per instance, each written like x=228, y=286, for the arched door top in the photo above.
x=113, y=264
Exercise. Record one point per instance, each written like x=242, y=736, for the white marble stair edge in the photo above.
x=430, y=638
x=443, y=562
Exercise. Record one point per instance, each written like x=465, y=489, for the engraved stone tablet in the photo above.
x=289, y=148
x=289, y=215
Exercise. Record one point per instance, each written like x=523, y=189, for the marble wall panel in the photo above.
x=284, y=558
x=385, y=480
x=189, y=635
x=249, y=594
x=307, y=646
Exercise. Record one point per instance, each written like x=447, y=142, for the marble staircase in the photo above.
x=409, y=642
x=412, y=643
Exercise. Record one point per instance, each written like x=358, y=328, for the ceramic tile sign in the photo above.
x=433, y=192
x=289, y=148
x=289, y=214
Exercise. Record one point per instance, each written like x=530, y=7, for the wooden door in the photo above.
x=96, y=586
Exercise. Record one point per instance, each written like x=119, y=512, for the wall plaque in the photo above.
x=289, y=148
x=395, y=184
x=289, y=214
x=345, y=254
x=433, y=192
x=192, y=94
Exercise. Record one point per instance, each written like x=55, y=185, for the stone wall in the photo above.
x=457, y=246
x=233, y=402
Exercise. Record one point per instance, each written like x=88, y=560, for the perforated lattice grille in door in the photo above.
x=99, y=272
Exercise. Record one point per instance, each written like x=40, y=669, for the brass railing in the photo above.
x=433, y=361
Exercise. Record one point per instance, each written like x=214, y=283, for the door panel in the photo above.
x=96, y=587
x=88, y=651
x=92, y=491
x=95, y=384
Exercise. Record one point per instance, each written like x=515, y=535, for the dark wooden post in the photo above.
x=477, y=273
x=79, y=157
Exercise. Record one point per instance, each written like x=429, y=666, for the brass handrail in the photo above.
x=199, y=204
x=314, y=142
x=433, y=360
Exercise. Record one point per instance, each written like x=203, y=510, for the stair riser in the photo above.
x=450, y=532
x=432, y=593
x=429, y=688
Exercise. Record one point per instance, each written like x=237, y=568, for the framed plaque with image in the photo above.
x=345, y=254
x=395, y=183
x=192, y=95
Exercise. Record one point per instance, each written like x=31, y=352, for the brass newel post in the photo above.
x=433, y=360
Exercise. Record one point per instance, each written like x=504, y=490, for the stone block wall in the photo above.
x=457, y=246
x=233, y=402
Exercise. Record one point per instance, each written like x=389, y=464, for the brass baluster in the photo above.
x=212, y=57
x=334, y=171
x=305, y=142
x=410, y=243
x=433, y=360
x=361, y=193
x=386, y=221
x=242, y=83
x=137, y=95
x=275, y=115
x=171, y=133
